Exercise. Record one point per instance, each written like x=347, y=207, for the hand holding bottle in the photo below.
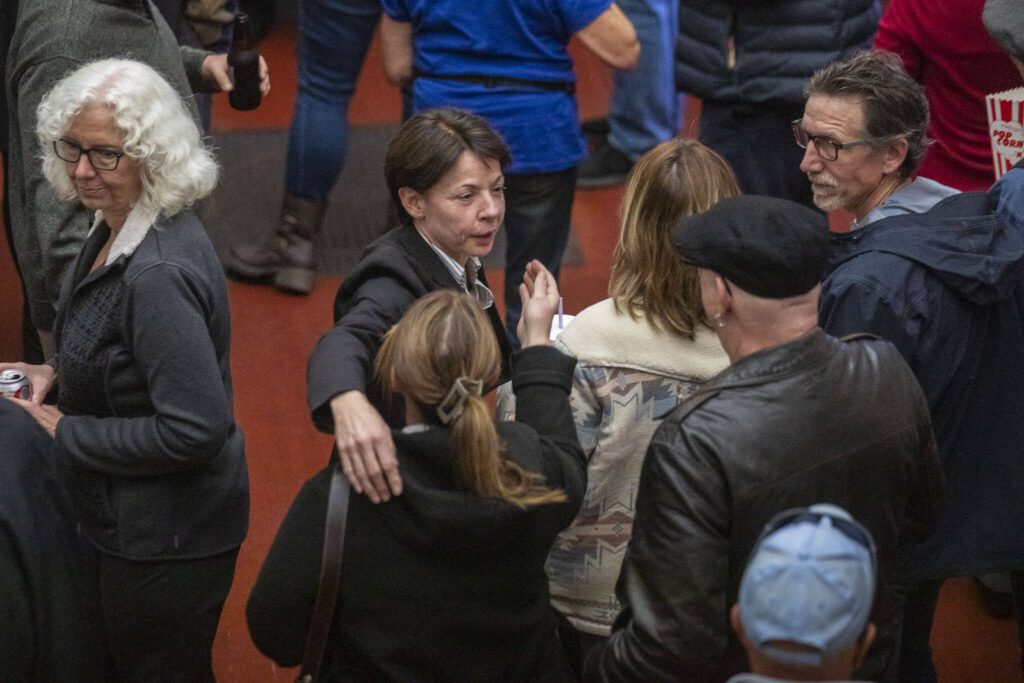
x=242, y=72
x=216, y=70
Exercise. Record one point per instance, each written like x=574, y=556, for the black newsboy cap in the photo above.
x=772, y=248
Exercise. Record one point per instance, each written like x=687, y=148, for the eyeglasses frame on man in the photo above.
x=799, y=133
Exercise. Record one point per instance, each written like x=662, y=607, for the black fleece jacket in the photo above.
x=145, y=384
x=437, y=583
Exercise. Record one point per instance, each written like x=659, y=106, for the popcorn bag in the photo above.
x=1006, y=127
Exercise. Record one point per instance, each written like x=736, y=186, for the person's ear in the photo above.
x=412, y=201
x=723, y=293
x=895, y=153
x=864, y=644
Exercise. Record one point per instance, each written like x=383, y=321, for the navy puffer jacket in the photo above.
x=779, y=44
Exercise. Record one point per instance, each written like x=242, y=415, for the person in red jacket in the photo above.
x=945, y=47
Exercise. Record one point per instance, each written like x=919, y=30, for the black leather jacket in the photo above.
x=813, y=420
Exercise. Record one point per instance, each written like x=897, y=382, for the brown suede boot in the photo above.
x=286, y=255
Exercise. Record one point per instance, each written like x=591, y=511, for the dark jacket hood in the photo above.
x=960, y=241
x=435, y=504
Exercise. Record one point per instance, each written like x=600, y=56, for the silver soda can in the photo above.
x=15, y=383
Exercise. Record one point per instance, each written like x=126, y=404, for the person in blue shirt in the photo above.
x=509, y=62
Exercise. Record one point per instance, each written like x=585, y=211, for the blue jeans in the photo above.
x=644, y=109
x=334, y=36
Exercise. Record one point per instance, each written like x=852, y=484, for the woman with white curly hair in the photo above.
x=144, y=413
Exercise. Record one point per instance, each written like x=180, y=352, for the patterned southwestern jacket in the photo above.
x=628, y=378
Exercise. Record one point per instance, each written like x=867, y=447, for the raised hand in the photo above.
x=539, y=293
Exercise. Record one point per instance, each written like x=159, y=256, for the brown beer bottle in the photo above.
x=244, y=60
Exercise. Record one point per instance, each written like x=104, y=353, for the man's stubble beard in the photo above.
x=832, y=202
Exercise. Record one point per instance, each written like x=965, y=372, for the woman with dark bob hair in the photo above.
x=446, y=582
x=446, y=173
x=144, y=414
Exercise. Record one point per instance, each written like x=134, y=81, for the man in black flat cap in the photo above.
x=798, y=418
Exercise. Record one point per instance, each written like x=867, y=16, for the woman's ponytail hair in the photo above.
x=441, y=356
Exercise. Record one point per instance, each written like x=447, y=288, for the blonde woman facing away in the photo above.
x=639, y=353
x=446, y=582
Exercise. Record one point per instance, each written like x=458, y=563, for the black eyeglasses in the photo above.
x=101, y=159
x=827, y=148
x=850, y=528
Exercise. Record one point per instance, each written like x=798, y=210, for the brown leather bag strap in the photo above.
x=330, y=577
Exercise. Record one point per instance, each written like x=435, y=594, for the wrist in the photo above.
x=536, y=340
x=344, y=403
x=345, y=397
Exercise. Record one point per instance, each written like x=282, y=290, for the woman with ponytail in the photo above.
x=446, y=581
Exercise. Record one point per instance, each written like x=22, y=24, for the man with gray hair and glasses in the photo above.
x=936, y=273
